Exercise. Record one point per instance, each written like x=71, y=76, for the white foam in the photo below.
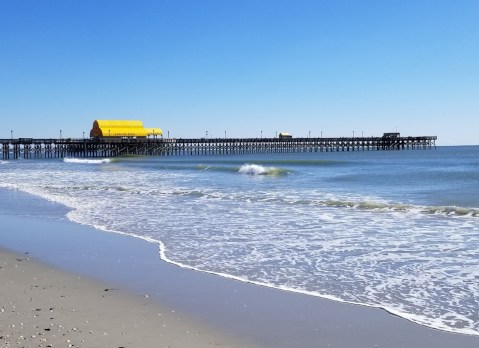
x=253, y=169
x=86, y=161
x=256, y=169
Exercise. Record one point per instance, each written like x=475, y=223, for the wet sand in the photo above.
x=213, y=310
x=45, y=307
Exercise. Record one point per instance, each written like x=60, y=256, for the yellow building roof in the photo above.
x=117, y=124
x=122, y=128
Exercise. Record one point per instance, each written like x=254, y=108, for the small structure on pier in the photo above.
x=391, y=135
x=122, y=129
x=284, y=135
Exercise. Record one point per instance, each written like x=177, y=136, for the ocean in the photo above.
x=397, y=230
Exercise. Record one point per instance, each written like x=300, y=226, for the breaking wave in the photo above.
x=256, y=169
x=397, y=207
x=86, y=161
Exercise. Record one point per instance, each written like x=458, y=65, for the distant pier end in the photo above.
x=113, y=142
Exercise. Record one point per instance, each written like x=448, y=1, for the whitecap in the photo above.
x=86, y=161
x=256, y=169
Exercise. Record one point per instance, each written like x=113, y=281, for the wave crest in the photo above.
x=86, y=161
x=256, y=169
x=398, y=207
x=453, y=210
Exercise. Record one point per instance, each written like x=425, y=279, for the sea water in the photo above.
x=397, y=230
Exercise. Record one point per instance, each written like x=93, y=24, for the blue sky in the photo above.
x=244, y=67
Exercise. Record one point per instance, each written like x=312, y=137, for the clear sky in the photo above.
x=243, y=66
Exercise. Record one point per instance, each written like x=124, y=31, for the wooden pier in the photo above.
x=112, y=147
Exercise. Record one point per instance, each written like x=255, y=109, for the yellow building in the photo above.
x=122, y=128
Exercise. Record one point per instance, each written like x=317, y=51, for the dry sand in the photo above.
x=45, y=307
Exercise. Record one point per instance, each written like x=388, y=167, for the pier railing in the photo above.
x=111, y=147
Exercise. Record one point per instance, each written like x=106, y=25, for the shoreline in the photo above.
x=260, y=315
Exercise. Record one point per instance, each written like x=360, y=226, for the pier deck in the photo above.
x=111, y=147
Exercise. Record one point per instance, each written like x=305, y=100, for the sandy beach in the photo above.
x=68, y=285
x=45, y=307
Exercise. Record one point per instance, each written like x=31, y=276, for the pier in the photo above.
x=29, y=148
